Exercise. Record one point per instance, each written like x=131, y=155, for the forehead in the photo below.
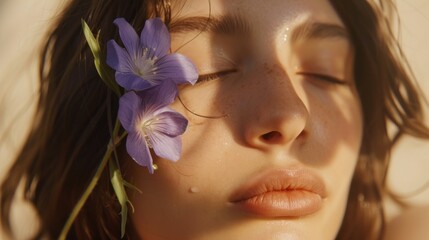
x=260, y=15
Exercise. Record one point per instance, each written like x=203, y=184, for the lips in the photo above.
x=281, y=193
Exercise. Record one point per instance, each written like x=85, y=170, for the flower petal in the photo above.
x=169, y=122
x=166, y=147
x=161, y=95
x=118, y=58
x=129, y=104
x=168, y=92
x=131, y=81
x=139, y=151
x=178, y=68
x=156, y=37
x=128, y=36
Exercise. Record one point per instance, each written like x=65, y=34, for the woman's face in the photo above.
x=275, y=155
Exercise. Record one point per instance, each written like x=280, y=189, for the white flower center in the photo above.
x=146, y=129
x=145, y=65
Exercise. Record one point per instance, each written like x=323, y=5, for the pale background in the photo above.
x=23, y=23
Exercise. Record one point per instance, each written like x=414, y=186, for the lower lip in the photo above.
x=293, y=203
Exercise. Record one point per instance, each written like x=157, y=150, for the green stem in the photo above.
x=92, y=184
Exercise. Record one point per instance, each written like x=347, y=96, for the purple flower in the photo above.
x=151, y=124
x=145, y=62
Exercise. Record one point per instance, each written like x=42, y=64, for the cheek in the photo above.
x=339, y=127
x=177, y=195
x=335, y=119
x=162, y=200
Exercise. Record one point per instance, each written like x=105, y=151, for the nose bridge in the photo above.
x=276, y=82
x=281, y=95
x=269, y=67
x=277, y=113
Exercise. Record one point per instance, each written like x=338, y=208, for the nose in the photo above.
x=275, y=114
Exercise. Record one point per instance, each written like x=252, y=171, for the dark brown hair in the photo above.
x=389, y=98
x=71, y=128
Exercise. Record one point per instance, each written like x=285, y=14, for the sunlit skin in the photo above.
x=284, y=99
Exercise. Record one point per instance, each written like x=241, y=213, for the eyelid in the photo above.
x=325, y=77
x=214, y=75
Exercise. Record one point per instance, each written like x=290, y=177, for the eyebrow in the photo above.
x=317, y=30
x=230, y=24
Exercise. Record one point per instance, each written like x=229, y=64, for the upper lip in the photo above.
x=280, y=180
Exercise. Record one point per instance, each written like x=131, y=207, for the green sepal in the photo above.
x=119, y=188
x=106, y=73
x=129, y=185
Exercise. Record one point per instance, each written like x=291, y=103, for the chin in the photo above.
x=276, y=229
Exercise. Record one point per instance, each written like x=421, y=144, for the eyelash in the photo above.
x=213, y=76
x=216, y=75
x=324, y=77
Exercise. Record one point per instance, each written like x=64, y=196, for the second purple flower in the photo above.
x=151, y=124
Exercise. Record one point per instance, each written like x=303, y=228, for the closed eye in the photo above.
x=327, y=78
x=216, y=75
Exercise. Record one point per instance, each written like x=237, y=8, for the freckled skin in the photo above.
x=274, y=118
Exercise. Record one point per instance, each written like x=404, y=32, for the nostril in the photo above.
x=271, y=136
x=277, y=137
